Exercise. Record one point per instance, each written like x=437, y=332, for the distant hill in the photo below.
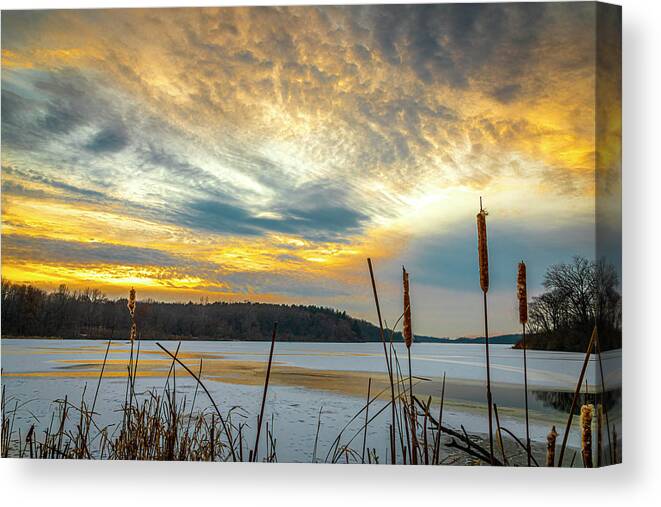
x=503, y=339
x=31, y=312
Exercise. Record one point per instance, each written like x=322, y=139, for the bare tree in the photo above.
x=578, y=295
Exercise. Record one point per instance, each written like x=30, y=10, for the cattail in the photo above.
x=131, y=303
x=482, y=249
x=407, y=332
x=131, y=307
x=586, y=434
x=134, y=332
x=522, y=293
x=550, y=447
x=484, y=284
x=408, y=339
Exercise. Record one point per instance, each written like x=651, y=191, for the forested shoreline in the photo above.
x=30, y=312
x=33, y=312
x=577, y=295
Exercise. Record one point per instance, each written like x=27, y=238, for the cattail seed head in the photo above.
x=522, y=293
x=586, y=434
x=550, y=447
x=131, y=303
x=406, y=331
x=134, y=332
x=131, y=307
x=482, y=249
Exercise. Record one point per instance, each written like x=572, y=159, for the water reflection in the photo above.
x=562, y=400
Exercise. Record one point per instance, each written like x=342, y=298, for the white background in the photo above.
x=637, y=481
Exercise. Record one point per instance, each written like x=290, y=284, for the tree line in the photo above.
x=577, y=295
x=88, y=313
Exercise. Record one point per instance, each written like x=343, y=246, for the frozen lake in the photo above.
x=37, y=372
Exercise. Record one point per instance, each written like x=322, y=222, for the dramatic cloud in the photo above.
x=265, y=152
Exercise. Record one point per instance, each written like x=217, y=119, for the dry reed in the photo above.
x=500, y=435
x=522, y=294
x=482, y=248
x=550, y=447
x=131, y=306
x=577, y=392
x=483, y=256
x=586, y=434
x=407, y=329
x=388, y=358
x=407, y=333
x=611, y=454
x=266, y=387
x=600, y=443
x=367, y=418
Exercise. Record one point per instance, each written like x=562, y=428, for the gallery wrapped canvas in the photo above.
x=366, y=234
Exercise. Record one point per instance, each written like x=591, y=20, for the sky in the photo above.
x=263, y=154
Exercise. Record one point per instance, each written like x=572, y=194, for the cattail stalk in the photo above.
x=550, y=447
x=393, y=445
x=522, y=293
x=600, y=443
x=367, y=419
x=576, y=394
x=597, y=346
x=500, y=435
x=132, y=336
x=266, y=387
x=483, y=256
x=586, y=435
x=407, y=332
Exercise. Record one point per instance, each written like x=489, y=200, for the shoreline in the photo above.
x=463, y=395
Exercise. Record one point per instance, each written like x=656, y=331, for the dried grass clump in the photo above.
x=407, y=330
x=522, y=293
x=550, y=447
x=586, y=434
x=482, y=248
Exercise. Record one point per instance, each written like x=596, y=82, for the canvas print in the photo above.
x=366, y=234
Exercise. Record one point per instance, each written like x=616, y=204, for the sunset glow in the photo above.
x=264, y=153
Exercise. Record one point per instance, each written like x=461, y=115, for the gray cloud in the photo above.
x=325, y=222
x=53, y=251
x=507, y=93
x=108, y=140
x=72, y=191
